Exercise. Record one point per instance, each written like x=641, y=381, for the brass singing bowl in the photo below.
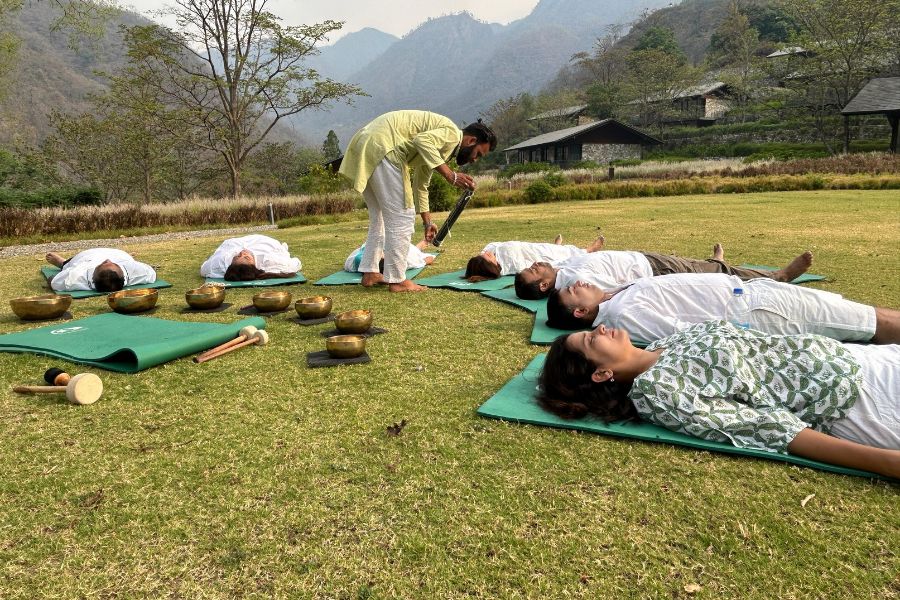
x=345, y=346
x=45, y=306
x=314, y=307
x=132, y=301
x=271, y=301
x=354, y=321
x=205, y=297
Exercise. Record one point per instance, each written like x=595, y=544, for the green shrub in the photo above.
x=529, y=167
x=554, y=179
x=47, y=197
x=441, y=195
x=321, y=180
x=539, y=191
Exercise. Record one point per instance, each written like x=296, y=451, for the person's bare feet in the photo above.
x=597, y=244
x=55, y=259
x=372, y=279
x=406, y=286
x=718, y=252
x=558, y=239
x=795, y=268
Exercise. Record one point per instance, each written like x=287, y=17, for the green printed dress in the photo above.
x=717, y=382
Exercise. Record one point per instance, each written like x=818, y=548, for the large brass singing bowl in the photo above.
x=205, y=297
x=132, y=301
x=271, y=301
x=314, y=307
x=345, y=346
x=45, y=306
x=354, y=321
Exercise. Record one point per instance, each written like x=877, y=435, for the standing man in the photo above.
x=390, y=161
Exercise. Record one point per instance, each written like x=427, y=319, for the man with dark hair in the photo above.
x=98, y=269
x=610, y=269
x=391, y=161
x=657, y=307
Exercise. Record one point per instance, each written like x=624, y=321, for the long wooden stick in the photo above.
x=220, y=347
x=39, y=389
x=212, y=355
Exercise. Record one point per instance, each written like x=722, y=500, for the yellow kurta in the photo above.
x=416, y=141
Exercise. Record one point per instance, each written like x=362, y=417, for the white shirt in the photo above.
x=515, y=257
x=78, y=273
x=606, y=269
x=271, y=256
x=415, y=258
x=657, y=307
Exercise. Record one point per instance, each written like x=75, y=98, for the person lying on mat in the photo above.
x=508, y=258
x=612, y=268
x=249, y=258
x=390, y=161
x=415, y=258
x=755, y=390
x=100, y=270
x=656, y=307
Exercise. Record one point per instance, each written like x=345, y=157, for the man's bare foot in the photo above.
x=597, y=244
x=558, y=239
x=406, y=286
x=55, y=259
x=372, y=279
x=795, y=268
x=718, y=252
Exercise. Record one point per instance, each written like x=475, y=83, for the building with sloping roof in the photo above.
x=880, y=96
x=601, y=141
x=558, y=118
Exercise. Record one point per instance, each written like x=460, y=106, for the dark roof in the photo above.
x=879, y=96
x=570, y=132
x=568, y=111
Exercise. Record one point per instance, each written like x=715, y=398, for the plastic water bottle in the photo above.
x=737, y=311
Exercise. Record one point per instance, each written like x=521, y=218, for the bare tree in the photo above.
x=233, y=71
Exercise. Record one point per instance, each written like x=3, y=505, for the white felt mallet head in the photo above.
x=84, y=388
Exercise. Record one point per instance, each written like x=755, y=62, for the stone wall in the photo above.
x=604, y=153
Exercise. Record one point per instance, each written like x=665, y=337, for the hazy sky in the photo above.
x=395, y=16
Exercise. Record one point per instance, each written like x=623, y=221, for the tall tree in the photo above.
x=733, y=49
x=845, y=43
x=234, y=71
x=331, y=147
x=656, y=78
x=662, y=39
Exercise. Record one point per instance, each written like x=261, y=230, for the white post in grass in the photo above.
x=271, y=214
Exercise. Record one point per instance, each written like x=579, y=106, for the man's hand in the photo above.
x=461, y=181
x=430, y=231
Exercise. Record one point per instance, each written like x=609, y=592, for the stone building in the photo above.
x=600, y=141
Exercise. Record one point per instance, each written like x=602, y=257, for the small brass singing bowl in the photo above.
x=132, y=301
x=45, y=306
x=314, y=307
x=345, y=346
x=271, y=301
x=354, y=321
x=205, y=297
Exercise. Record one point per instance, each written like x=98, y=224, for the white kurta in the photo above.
x=78, y=273
x=657, y=307
x=271, y=256
x=606, y=269
x=415, y=258
x=515, y=257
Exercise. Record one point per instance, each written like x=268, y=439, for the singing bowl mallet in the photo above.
x=244, y=334
x=260, y=338
x=84, y=388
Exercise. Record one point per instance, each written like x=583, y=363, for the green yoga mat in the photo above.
x=50, y=272
x=516, y=401
x=298, y=278
x=541, y=333
x=348, y=278
x=123, y=343
x=454, y=280
x=805, y=278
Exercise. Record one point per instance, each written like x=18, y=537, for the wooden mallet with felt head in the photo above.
x=260, y=338
x=244, y=334
x=84, y=388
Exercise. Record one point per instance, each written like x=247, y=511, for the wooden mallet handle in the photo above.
x=244, y=334
x=260, y=338
x=84, y=388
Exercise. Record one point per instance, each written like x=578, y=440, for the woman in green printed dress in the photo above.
x=805, y=394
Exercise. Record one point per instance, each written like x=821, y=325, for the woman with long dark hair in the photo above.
x=249, y=258
x=805, y=394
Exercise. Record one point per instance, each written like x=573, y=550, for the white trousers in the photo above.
x=874, y=420
x=391, y=224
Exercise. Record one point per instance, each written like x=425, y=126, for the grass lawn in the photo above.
x=253, y=476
